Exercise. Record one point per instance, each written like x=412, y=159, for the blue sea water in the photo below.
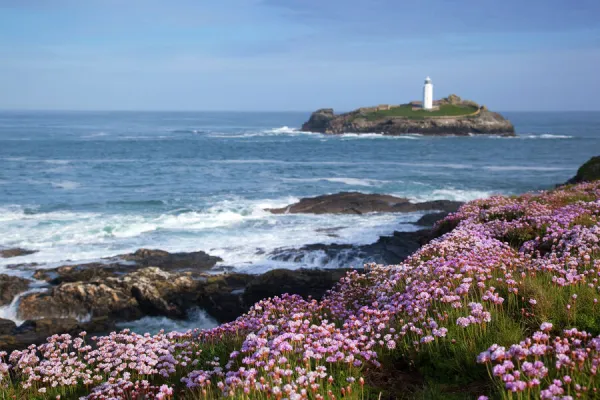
x=86, y=185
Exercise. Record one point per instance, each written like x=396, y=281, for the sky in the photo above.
x=285, y=55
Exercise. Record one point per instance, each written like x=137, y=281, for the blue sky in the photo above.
x=296, y=54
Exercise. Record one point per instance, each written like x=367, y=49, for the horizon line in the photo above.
x=2, y=110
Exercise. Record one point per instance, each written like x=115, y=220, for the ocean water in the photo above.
x=86, y=185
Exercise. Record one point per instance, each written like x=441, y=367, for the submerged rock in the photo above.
x=7, y=326
x=362, y=203
x=15, y=252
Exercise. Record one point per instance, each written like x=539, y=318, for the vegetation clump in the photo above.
x=590, y=171
x=411, y=112
x=471, y=314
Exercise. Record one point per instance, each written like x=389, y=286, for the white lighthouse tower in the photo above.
x=428, y=94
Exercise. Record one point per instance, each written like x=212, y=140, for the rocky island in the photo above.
x=448, y=116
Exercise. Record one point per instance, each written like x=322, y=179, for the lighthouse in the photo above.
x=428, y=94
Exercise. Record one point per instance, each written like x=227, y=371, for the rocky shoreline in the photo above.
x=96, y=296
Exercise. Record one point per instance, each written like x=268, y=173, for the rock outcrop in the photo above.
x=11, y=286
x=361, y=203
x=363, y=120
x=590, y=171
x=197, y=261
x=15, y=252
x=153, y=291
x=37, y=331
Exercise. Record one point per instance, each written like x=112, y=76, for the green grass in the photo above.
x=406, y=111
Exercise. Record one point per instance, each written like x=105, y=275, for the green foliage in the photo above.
x=590, y=171
x=406, y=111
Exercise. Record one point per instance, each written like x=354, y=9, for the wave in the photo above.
x=194, y=131
x=523, y=168
x=346, y=181
x=281, y=131
x=373, y=135
x=284, y=129
x=239, y=231
x=452, y=194
x=94, y=135
x=67, y=185
x=530, y=136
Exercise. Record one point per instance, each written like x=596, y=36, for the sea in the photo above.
x=80, y=186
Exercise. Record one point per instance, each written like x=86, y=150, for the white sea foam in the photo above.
x=56, y=162
x=534, y=136
x=239, y=231
x=281, y=131
x=67, y=185
x=284, y=129
x=346, y=181
x=94, y=135
x=523, y=168
x=374, y=135
x=451, y=194
x=10, y=311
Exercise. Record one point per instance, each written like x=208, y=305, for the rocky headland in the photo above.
x=451, y=116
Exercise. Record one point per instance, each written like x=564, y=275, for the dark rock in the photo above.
x=319, y=120
x=37, y=331
x=196, y=261
x=226, y=297
x=361, y=203
x=590, y=171
x=159, y=292
x=430, y=219
x=48, y=326
x=11, y=286
x=126, y=263
x=15, y=252
x=396, y=248
x=483, y=122
x=387, y=250
x=147, y=291
x=221, y=296
x=7, y=326
x=312, y=283
x=330, y=251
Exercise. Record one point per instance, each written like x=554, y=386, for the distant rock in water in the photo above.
x=450, y=116
x=15, y=252
x=362, y=203
x=590, y=171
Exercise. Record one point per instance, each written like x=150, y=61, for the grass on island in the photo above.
x=406, y=111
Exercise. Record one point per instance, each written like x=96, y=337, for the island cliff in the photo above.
x=450, y=116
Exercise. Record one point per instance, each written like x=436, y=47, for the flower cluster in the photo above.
x=506, y=266
x=548, y=367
